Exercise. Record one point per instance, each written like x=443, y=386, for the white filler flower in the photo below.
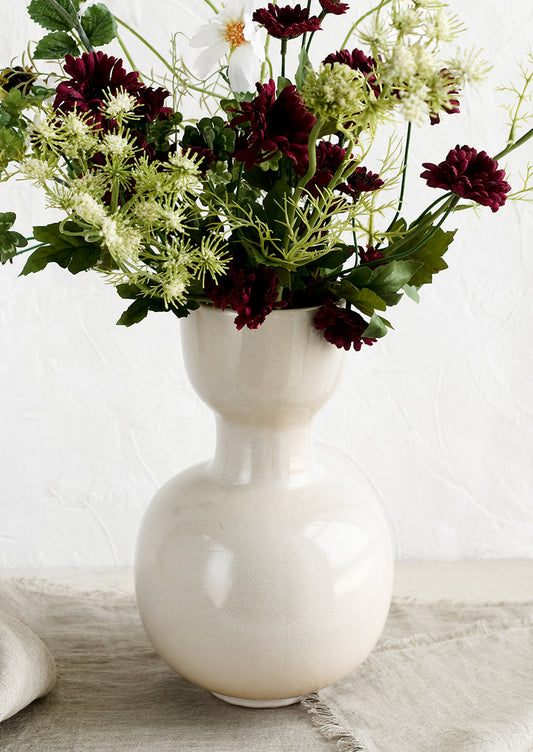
x=233, y=32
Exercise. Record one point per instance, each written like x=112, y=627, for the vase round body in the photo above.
x=264, y=574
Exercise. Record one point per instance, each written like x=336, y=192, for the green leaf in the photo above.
x=54, y=15
x=377, y=327
x=387, y=279
x=136, y=312
x=11, y=146
x=71, y=252
x=274, y=206
x=40, y=93
x=429, y=256
x=304, y=66
x=412, y=292
x=13, y=103
x=10, y=240
x=99, y=24
x=127, y=291
x=55, y=46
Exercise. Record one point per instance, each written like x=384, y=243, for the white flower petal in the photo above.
x=207, y=59
x=244, y=69
x=207, y=34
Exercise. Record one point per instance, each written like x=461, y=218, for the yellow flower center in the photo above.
x=234, y=34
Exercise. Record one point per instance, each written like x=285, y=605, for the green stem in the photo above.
x=311, y=148
x=515, y=145
x=452, y=203
x=377, y=8
x=146, y=43
x=73, y=20
x=283, y=55
x=404, y=175
x=126, y=53
x=165, y=62
x=211, y=5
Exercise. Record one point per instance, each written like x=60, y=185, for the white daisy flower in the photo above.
x=233, y=33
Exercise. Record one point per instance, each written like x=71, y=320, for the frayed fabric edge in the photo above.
x=476, y=629
x=329, y=725
x=411, y=600
x=42, y=586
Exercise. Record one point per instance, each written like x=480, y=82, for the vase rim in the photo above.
x=232, y=312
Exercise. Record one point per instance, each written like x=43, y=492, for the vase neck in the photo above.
x=263, y=455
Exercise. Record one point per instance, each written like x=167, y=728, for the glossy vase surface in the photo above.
x=266, y=573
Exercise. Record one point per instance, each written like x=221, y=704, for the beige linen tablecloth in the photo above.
x=453, y=671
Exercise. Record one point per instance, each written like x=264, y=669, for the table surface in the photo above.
x=475, y=582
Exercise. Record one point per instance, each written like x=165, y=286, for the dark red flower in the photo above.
x=274, y=124
x=328, y=159
x=452, y=107
x=286, y=22
x=151, y=104
x=369, y=255
x=17, y=78
x=334, y=6
x=92, y=76
x=361, y=180
x=469, y=174
x=251, y=291
x=356, y=60
x=342, y=327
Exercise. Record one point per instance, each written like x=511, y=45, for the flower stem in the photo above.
x=126, y=53
x=211, y=5
x=165, y=62
x=146, y=43
x=404, y=175
x=376, y=9
x=515, y=145
x=283, y=55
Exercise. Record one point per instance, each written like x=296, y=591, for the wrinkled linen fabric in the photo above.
x=445, y=676
x=27, y=669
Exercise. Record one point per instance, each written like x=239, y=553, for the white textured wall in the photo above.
x=439, y=415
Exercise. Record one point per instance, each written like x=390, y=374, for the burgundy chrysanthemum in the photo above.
x=356, y=60
x=286, y=22
x=369, y=255
x=252, y=292
x=274, y=124
x=334, y=6
x=92, y=76
x=151, y=104
x=342, y=327
x=361, y=180
x=452, y=106
x=469, y=174
x=328, y=159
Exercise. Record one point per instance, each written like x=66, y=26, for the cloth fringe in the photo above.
x=41, y=586
x=410, y=600
x=478, y=628
x=329, y=725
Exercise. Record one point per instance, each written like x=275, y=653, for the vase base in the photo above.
x=245, y=703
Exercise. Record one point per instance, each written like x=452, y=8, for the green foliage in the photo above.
x=213, y=134
x=99, y=24
x=10, y=240
x=60, y=246
x=143, y=303
x=56, y=45
x=11, y=146
x=377, y=327
x=54, y=15
x=159, y=131
x=304, y=66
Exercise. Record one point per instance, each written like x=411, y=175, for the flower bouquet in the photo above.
x=287, y=192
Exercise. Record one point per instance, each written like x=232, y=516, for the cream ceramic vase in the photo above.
x=264, y=574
